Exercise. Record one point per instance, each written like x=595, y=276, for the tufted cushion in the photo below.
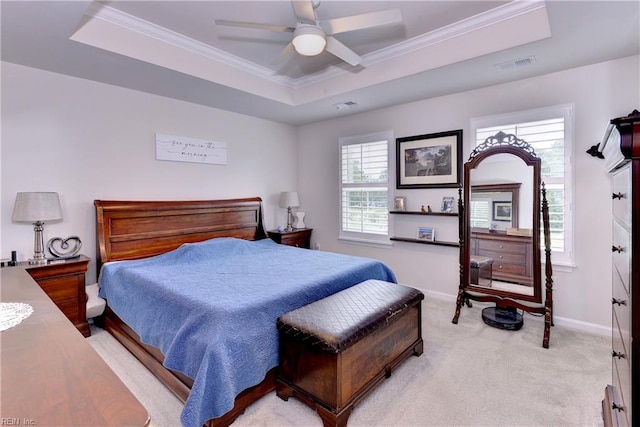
x=340, y=320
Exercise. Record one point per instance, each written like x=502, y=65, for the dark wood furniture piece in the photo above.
x=334, y=351
x=622, y=158
x=133, y=230
x=50, y=374
x=526, y=168
x=64, y=282
x=481, y=270
x=299, y=237
x=512, y=255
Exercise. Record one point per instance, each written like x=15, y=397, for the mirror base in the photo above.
x=503, y=318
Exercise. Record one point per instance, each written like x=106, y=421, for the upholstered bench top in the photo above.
x=478, y=261
x=340, y=320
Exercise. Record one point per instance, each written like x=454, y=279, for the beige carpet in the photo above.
x=469, y=375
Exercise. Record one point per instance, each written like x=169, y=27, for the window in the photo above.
x=364, y=187
x=479, y=213
x=550, y=132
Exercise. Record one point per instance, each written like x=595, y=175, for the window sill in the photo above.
x=386, y=244
x=564, y=267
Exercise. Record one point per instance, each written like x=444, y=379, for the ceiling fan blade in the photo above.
x=283, y=60
x=359, y=22
x=304, y=11
x=341, y=51
x=255, y=26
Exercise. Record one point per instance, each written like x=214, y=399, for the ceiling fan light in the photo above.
x=309, y=41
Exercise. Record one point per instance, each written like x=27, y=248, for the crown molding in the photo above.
x=451, y=31
x=133, y=23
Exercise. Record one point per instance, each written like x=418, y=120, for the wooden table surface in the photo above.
x=50, y=376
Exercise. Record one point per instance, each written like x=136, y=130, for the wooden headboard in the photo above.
x=138, y=229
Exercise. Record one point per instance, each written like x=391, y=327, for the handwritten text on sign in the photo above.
x=184, y=149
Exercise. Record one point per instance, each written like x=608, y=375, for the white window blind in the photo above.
x=479, y=213
x=548, y=131
x=364, y=187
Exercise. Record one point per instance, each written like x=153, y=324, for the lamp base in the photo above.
x=37, y=261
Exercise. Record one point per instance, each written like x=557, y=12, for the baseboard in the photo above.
x=565, y=322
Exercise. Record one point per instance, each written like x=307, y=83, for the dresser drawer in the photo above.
x=620, y=398
x=502, y=247
x=506, y=268
x=621, y=250
x=504, y=257
x=621, y=313
x=622, y=195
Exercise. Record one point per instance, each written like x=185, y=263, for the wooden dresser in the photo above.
x=512, y=255
x=51, y=376
x=622, y=159
x=64, y=283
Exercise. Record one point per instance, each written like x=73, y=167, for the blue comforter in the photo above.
x=211, y=308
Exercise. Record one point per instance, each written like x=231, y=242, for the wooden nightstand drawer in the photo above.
x=64, y=283
x=298, y=237
x=60, y=288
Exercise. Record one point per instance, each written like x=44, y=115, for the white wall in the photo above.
x=600, y=92
x=88, y=140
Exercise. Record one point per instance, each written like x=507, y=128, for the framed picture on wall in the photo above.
x=447, y=204
x=502, y=211
x=429, y=161
x=426, y=233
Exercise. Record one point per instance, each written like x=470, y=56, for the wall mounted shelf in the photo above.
x=425, y=242
x=424, y=213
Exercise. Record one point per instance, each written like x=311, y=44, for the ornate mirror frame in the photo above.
x=502, y=143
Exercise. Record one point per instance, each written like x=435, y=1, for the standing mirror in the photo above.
x=500, y=251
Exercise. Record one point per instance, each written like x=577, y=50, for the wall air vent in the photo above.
x=515, y=63
x=345, y=105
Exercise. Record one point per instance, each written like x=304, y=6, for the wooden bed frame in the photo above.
x=136, y=229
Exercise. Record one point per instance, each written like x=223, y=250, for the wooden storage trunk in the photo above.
x=334, y=351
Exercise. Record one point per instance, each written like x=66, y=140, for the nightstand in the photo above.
x=64, y=283
x=299, y=237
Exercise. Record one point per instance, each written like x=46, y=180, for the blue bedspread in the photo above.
x=211, y=308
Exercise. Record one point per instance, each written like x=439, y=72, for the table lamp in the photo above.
x=289, y=199
x=37, y=208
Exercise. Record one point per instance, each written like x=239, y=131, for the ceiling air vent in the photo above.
x=516, y=63
x=345, y=105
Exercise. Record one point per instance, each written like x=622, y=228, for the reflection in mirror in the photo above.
x=501, y=218
x=500, y=234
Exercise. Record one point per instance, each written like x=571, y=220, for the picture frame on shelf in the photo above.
x=426, y=233
x=429, y=161
x=447, y=204
x=502, y=211
x=400, y=204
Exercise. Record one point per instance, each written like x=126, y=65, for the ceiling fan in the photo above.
x=312, y=36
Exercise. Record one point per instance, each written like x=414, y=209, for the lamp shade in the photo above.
x=37, y=207
x=289, y=199
x=309, y=40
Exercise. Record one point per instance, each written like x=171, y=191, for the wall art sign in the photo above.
x=185, y=149
x=429, y=161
